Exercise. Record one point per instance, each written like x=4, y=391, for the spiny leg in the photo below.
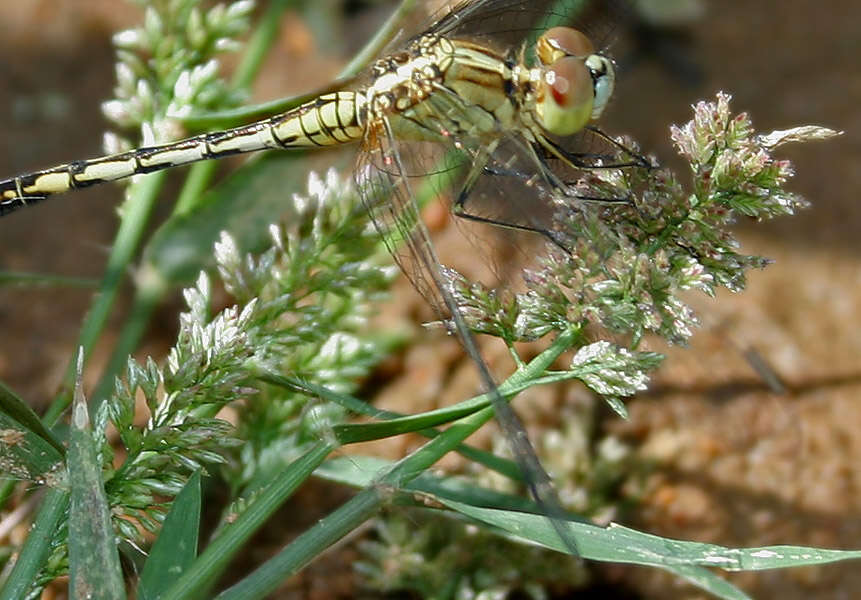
x=459, y=208
x=549, y=149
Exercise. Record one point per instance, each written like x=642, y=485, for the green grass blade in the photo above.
x=363, y=432
x=307, y=546
x=620, y=544
x=13, y=408
x=203, y=574
x=176, y=547
x=359, y=472
x=37, y=548
x=24, y=454
x=29, y=448
x=708, y=581
x=94, y=562
x=355, y=512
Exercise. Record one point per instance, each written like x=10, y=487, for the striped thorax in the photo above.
x=439, y=87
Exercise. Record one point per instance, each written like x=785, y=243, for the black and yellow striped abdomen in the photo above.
x=329, y=120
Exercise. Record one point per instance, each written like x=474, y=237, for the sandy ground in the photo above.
x=735, y=463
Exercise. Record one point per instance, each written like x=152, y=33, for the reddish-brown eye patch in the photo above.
x=569, y=83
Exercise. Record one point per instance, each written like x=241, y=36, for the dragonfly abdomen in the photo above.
x=329, y=120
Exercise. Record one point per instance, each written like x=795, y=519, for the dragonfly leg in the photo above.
x=565, y=188
x=505, y=172
x=459, y=210
x=638, y=159
x=593, y=160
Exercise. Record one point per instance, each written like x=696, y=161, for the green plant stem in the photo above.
x=373, y=48
x=307, y=546
x=37, y=548
x=135, y=215
x=31, y=280
x=265, y=34
x=149, y=292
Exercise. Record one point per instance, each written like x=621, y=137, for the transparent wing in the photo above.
x=494, y=177
x=386, y=178
x=386, y=181
x=443, y=171
x=506, y=24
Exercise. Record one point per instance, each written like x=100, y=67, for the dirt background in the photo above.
x=737, y=463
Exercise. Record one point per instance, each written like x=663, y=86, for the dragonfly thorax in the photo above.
x=403, y=80
x=442, y=88
x=466, y=88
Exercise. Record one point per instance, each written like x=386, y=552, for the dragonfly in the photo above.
x=500, y=97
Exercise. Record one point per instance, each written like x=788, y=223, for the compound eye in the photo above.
x=565, y=104
x=559, y=42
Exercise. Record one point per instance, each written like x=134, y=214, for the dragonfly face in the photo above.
x=574, y=84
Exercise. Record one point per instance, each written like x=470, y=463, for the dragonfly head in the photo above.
x=575, y=83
